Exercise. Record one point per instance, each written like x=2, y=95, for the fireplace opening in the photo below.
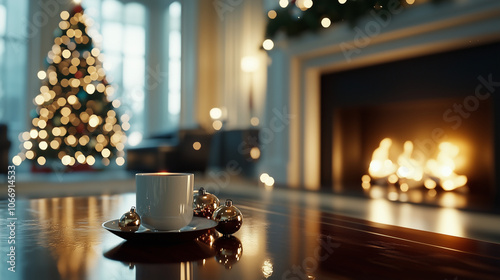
x=417, y=130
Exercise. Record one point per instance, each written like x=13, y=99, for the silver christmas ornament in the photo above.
x=204, y=203
x=130, y=221
x=228, y=218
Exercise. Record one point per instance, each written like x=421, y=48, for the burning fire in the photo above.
x=410, y=171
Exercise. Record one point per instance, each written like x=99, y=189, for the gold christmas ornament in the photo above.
x=228, y=218
x=204, y=203
x=130, y=221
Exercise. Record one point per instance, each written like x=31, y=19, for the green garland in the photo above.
x=293, y=21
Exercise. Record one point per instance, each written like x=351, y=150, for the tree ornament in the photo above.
x=80, y=128
x=77, y=9
x=228, y=218
x=228, y=250
x=78, y=74
x=130, y=221
x=204, y=203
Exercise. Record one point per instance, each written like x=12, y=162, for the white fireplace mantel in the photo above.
x=290, y=135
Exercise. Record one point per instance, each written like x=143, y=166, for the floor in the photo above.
x=475, y=225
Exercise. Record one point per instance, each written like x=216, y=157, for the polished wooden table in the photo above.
x=62, y=238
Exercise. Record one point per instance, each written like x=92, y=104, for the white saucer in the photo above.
x=196, y=228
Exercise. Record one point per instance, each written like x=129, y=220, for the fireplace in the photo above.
x=416, y=105
x=300, y=154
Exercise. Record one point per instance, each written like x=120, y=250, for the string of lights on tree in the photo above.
x=296, y=17
x=74, y=122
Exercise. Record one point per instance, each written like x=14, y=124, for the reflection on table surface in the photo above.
x=62, y=238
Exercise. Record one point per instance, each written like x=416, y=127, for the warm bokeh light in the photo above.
x=342, y=1
x=116, y=103
x=215, y=113
x=255, y=153
x=393, y=179
x=283, y=3
x=66, y=160
x=430, y=184
x=307, y=4
x=263, y=177
x=33, y=133
x=30, y=154
x=269, y=181
x=272, y=14
x=106, y=152
x=41, y=160
x=365, y=178
x=217, y=125
x=16, y=160
x=43, y=145
x=26, y=136
x=120, y=161
x=27, y=145
x=93, y=121
x=197, y=145
x=126, y=126
x=410, y=2
x=254, y=121
x=80, y=158
x=268, y=44
x=90, y=160
x=64, y=15
x=326, y=22
x=41, y=75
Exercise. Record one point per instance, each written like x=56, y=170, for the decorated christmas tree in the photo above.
x=75, y=123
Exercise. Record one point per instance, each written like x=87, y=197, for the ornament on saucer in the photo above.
x=204, y=203
x=130, y=221
x=228, y=218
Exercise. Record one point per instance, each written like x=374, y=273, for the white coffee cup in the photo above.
x=164, y=200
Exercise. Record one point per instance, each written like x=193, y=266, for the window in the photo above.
x=174, y=60
x=13, y=66
x=123, y=27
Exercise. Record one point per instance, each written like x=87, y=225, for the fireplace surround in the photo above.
x=427, y=100
x=297, y=65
